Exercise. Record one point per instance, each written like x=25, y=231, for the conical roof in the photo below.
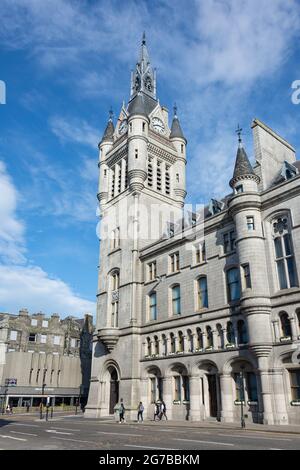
x=141, y=104
x=176, y=130
x=109, y=131
x=243, y=166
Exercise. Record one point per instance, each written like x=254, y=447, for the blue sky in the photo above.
x=66, y=62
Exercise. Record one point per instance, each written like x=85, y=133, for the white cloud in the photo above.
x=11, y=229
x=74, y=130
x=21, y=284
x=31, y=287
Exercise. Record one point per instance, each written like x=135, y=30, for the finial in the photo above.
x=175, y=110
x=239, y=133
x=111, y=114
x=144, y=38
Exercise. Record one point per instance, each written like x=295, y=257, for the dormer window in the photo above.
x=288, y=171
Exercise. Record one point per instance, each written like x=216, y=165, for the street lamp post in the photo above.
x=242, y=397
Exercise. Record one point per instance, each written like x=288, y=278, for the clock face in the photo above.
x=158, y=125
x=123, y=127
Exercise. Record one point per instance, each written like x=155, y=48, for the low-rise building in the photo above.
x=44, y=357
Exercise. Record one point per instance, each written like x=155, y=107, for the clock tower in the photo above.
x=141, y=192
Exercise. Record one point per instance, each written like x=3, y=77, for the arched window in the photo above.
x=220, y=335
x=285, y=325
x=149, y=352
x=202, y=292
x=190, y=340
x=199, y=339
x=156, y=345
x=172, y=340
x=284, y=254
x=233, y=284
x=165, y=345
x=176, y=309
x=242, y=332
x=210, y=338
x=114, y=286
x=180, y=342
x=230, y=333
x=152, y=306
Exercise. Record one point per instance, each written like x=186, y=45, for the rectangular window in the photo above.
x=174, y=262
x=285, y=262
x=32, y=337
x=186, y=388
x=177, y=388
x=202, y=293
x=45, y=323
x=229, y=241
x=13, y=335
x=247, y=276
x=56, y=340
x=176, y=309
x=295, y=384
x=152, y=306
x=43, y=339
x=233, y=284
x=200, y=253
x=73, y=342
x=151, y=271
x=250, y=223
x=34, y=322
x=115, y=238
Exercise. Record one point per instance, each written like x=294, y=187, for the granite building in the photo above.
x=44, y=357
x=205, y=313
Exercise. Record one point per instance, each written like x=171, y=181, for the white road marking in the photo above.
x=53, y=431
x=147, y=447
x=274, y=448
x=24, y=433
x=74, y=440
x=205, y=442
x=67, y=429
x=23, y=424
x=254, y=437
x=118, y=433
x=11, y=437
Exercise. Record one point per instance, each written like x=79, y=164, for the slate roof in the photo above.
x=109, y=131
x=176, y=130
x=141, y=104
x=243, y=166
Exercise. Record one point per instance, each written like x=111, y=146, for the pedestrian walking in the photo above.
x=156, y=411
x=140, y=412
x=122, y=412
x=163, y=411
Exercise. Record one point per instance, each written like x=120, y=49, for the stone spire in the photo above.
x=176, y=131
x=243, y=168
x=109, y=131
x=143, y=78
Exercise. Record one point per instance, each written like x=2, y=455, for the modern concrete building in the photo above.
x=202, y=312
x=44, y=357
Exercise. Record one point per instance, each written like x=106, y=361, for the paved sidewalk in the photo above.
x=288, y=429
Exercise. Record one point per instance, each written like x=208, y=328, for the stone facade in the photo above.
x=47, y=356
x=204, y=313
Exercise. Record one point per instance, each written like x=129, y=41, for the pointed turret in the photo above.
x=109, y=130
x=243, y=170
x=176, y=131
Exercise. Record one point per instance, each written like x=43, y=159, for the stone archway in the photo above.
x=114, y=389
x=209, y=400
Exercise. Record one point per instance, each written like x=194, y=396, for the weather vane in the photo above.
x=239, y=133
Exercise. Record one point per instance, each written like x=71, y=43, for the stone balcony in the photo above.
x=109, y=337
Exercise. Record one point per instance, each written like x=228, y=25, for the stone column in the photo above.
x=276, y=330
x=167, y=395
x=226, y=398
x=293, y=328
x=265, y=383
x=184, y=344
x=215, y=338
x=280, y=415
x=204, y=340
x=195, y=398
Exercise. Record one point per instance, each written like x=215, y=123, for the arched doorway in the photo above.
x=114, y=390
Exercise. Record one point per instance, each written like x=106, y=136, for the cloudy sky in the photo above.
x=65, y=62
